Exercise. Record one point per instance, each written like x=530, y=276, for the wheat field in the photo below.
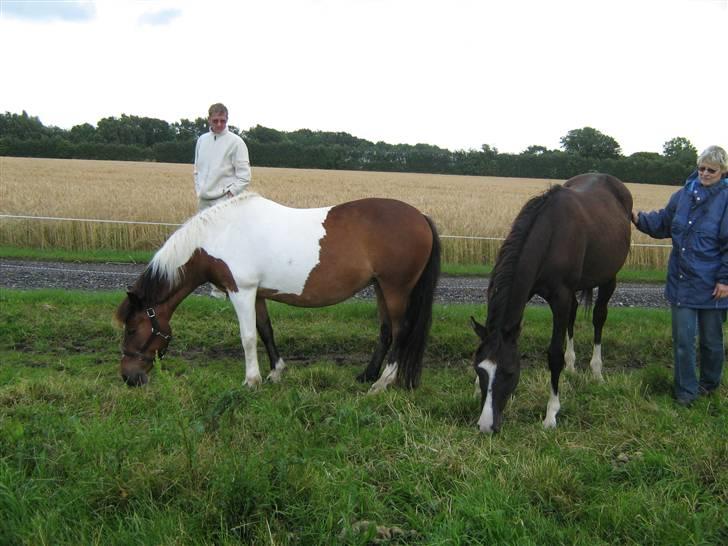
x=465, y=206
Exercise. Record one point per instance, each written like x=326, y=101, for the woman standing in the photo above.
x=696, y=218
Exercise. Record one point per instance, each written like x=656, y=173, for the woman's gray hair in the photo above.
x=715, y=155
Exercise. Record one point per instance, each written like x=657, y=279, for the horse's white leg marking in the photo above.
x=387, y=378
x=596, y=362
x=275, y=375
x=244, y=303
x=552, y=409
x=569, y=354
x=485, y=423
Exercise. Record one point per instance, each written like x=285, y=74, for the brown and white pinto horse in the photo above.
x=571, y=239
x=255, y=250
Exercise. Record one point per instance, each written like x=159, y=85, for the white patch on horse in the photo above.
x=596, y=362
x=485, y=423
x=569, y=354
x=275, y=375
x=387, y=378
x=264, y=244
x=552, y=409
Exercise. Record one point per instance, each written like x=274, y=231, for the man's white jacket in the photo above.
x=222, y=165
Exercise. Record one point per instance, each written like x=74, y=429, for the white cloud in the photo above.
x=163, y=17
x=48, y=10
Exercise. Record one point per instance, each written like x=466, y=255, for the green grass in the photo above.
x=195, y=458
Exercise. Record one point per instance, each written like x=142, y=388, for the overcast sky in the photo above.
x=453, y=73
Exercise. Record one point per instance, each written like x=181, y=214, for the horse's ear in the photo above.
x=134, y=299
x=479, y=329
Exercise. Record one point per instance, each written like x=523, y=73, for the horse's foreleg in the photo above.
x=570, y=354
x=560, y=307
x=599, y=317
x=244, y=303
x=265, y=331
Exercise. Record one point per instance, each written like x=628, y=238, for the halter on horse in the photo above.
x=572, y=238
x=255, y=249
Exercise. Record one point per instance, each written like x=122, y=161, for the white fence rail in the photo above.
x=130, y=222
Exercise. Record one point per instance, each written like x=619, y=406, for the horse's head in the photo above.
x=146, y=336
x=498, y=367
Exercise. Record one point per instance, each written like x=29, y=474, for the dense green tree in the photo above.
x=680, y=149
x=134, y=138
x=264, y=135
x=535, y=150
x=24, y=127
x=588, y=142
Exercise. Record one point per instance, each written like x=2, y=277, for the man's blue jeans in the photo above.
x=708, y=324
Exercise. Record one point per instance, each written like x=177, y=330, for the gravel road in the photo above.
x=25, y=275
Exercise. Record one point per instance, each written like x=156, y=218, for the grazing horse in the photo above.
x=570, y=239
x=257, y=250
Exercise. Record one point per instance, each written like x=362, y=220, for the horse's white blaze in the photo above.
x=485, y=423
x=387, y=378
x=275, y=375
x=596, y=362
x=264, y=244
x=569, y=354
x=552, y=408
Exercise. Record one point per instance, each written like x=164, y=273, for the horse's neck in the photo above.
x=508, y=309
x=192, y=277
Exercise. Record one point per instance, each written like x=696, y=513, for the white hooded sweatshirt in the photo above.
x=222, y=165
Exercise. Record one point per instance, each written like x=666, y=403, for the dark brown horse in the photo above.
x=571, y=239
x=255, y=249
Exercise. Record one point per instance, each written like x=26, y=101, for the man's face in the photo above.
x=218, y=122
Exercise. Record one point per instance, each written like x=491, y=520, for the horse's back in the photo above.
x=379, y=232
x=602, y=192
x=591, y=229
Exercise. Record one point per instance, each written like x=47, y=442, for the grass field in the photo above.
x=194, y=458
x=468, y=206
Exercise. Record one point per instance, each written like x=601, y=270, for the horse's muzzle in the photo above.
x=136, y=379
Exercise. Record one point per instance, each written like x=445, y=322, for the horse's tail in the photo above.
x=412, y=338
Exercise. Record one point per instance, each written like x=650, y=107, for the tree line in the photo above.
x=134, y=138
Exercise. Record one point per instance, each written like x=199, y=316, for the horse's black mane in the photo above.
x=152, y=288
x=504, y=270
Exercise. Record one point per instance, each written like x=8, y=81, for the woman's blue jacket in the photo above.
x=697, y=221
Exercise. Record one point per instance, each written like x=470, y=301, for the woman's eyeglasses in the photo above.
x=710, y=171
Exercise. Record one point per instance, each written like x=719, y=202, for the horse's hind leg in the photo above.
x=265, y=331
x=599, y=317
x=560, y=308
x=394, y=305
x=371, y=372
x=569, y=354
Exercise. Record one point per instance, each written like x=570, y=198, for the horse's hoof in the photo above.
x=377, y=388
x=549, y=423
x=253, y=382
x=275, y=376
